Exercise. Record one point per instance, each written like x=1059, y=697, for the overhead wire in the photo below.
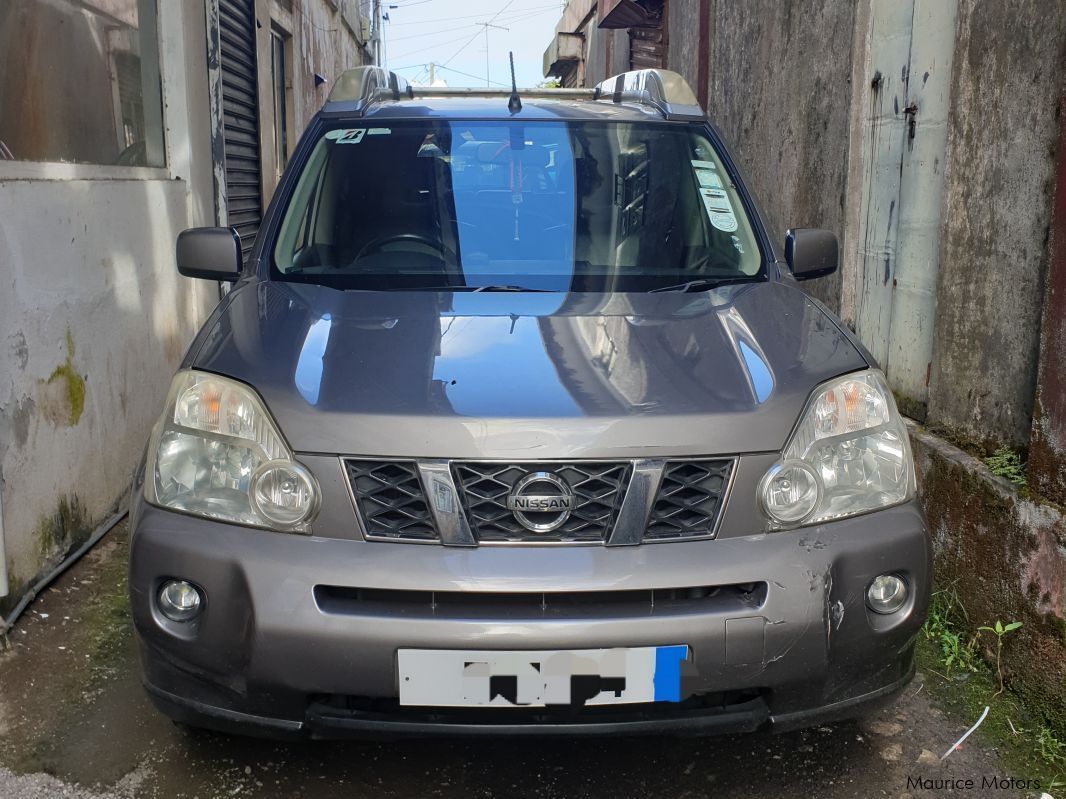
x=491, y=20
x=554, y=6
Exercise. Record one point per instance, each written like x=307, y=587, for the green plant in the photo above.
x=957, y=651
x=1005, y=462
x=1000, y=630
x=1052, y=750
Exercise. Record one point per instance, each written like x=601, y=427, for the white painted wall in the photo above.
x=87, y=251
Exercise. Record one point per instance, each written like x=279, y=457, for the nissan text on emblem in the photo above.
x=541, y=501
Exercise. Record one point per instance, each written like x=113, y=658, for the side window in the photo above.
x=79, y=82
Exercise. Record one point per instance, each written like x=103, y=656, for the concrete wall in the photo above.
x=781, y=96
x=683, y=40
x=1009, y=68
x=1005, y=558
x=326, y=38
x=93, y=316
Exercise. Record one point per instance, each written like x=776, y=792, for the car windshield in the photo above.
x=515, y=205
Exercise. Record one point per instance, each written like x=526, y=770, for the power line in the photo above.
x=468, y=75
x=554, y=6
x=438, y=44
x=523, y=16
x=491, y=20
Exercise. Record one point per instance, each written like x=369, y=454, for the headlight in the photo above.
x=215, y=447
x=849, y=454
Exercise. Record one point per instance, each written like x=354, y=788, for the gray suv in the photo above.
x=516, y=420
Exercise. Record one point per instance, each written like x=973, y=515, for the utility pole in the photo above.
x=486, y=26
x=432, y=74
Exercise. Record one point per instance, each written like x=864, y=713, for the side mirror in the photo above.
x=210, y=253
x=811, y=253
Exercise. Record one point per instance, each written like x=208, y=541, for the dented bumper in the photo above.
x=300, y=635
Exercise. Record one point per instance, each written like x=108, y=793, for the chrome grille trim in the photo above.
x=636, y=507
x=445, y=504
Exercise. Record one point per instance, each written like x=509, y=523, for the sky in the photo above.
x=446, y=32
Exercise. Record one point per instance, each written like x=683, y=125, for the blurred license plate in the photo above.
x=489, y=678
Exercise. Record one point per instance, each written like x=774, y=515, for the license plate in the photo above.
x=490, y=678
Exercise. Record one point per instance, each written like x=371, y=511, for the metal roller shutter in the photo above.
x=240, y=106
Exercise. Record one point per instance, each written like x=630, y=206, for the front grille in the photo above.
x=689, y=499
x=390, y=499
x=598, y=489
x=384, y=602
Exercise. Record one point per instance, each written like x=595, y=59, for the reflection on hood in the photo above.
x=327, y=361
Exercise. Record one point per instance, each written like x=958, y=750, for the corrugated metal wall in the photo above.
x=240, y=103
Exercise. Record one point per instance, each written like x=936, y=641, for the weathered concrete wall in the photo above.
x=683, y=40
x=1047, y=448
x=1007, y=78
x=93, y=316
x=326, y=42
x=326, y=38
x=1005, y=557
x=780, y=91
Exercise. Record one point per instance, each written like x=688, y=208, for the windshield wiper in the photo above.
x=475, y=289
x=702, y=284
x=503, y=287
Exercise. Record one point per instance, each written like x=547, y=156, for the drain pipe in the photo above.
x=3, y=556
x=3, y=568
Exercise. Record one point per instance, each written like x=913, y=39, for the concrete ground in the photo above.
x=74, y=722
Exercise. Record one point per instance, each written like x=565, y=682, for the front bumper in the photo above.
x=269, y=655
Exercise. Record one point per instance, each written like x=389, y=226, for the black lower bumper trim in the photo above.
x=324, y=721
x=844, y=709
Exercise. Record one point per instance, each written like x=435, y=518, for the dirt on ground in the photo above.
x=74, y=721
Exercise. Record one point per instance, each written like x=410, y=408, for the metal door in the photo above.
x=240, y=107
x=911, y=46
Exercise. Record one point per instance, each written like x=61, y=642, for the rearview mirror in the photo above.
x=210, y=253
x=811, y=253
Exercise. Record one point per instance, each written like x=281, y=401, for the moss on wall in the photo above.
x=63, y=399
x=993, y=546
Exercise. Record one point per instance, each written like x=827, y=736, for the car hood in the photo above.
x=527, y=375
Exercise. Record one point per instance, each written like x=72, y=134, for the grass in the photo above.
x=945, y=630
x=961, y=681
x=1005, y=462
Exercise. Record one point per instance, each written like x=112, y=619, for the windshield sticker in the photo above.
x=347, y=136
x=708, y=179
x=707, y=174
x=719, y=211
x=379, y=132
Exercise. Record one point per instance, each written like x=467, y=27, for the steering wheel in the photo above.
x=417, y=238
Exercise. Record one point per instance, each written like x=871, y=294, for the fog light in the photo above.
x=886, y=594
x=179, y=600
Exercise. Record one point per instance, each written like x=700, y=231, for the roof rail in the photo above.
x=459, y=91
x=665, y=90
x=357, y=88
